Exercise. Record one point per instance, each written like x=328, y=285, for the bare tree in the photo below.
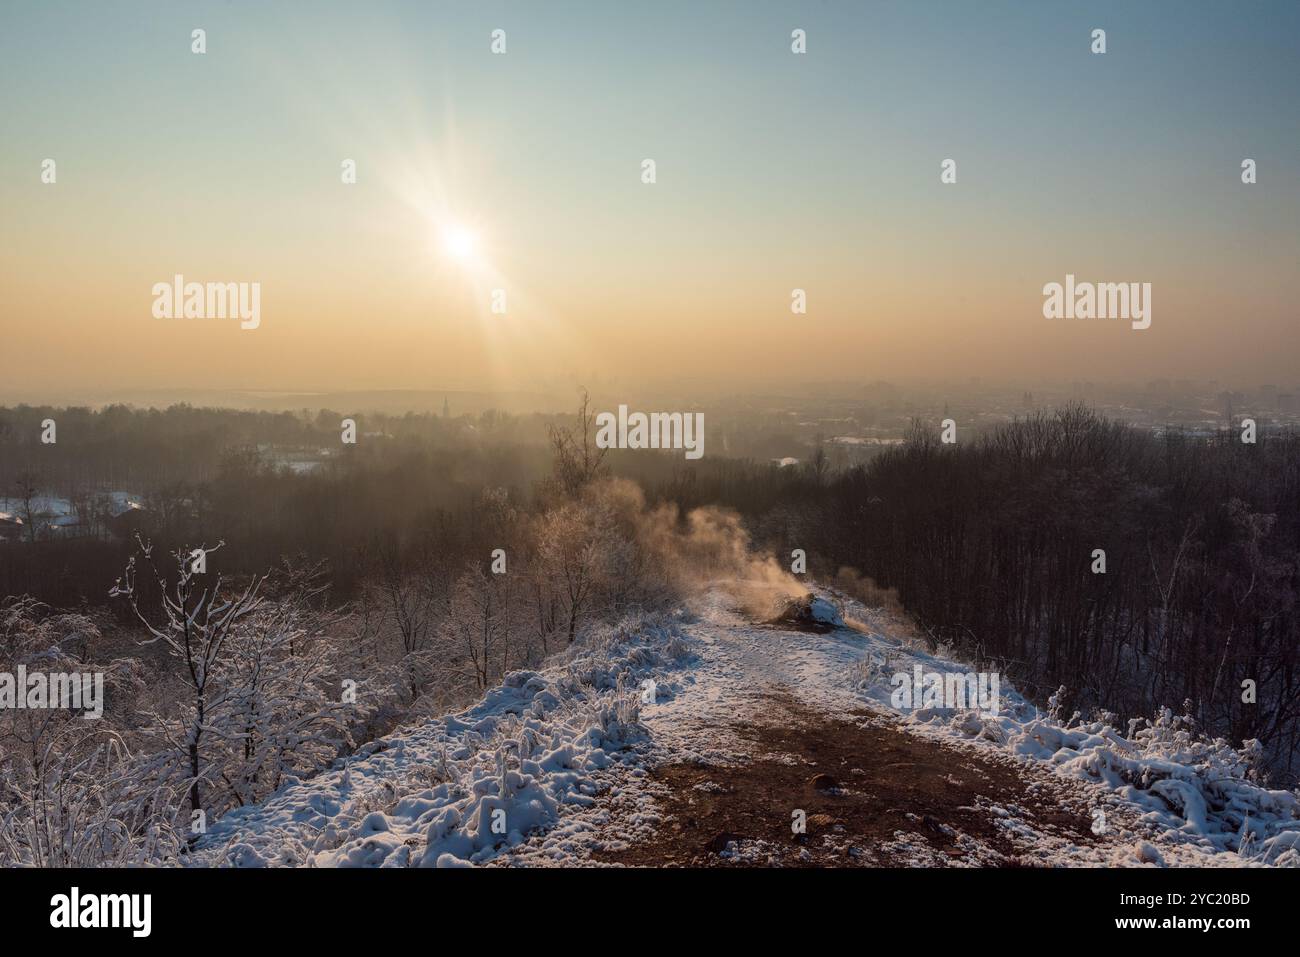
x=197, y=625
x=409, y=602
x=571, y=540
x=27, y=490
x=482, y=623
x=578, y=460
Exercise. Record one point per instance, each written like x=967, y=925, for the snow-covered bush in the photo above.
x=1201, y=787
x=70, y=793
x=86, y=807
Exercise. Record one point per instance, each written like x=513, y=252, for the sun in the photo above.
x=460, y=243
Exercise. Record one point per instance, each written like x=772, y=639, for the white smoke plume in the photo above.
x=706, y=547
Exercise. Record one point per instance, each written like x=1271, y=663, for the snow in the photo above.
x=119, y=503
x=825, y=613
x=62, y=511
x=50, y=505
x=461, y=789
x=1182, y=791
x=551, y=766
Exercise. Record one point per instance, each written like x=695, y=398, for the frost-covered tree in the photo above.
x=572, y=540
x=197, y=624
x=71, y=794
x=483, y=628
x=46, y=641
x=259, y=674
x=282, y=720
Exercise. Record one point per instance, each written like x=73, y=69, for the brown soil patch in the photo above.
x=860, y=783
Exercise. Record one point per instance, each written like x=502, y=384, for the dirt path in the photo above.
x=872, y=795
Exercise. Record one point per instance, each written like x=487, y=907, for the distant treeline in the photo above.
x=208, y=475
x=412, y=482
x=123, y=447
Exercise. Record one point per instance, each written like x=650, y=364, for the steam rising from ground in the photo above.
x=708, y=546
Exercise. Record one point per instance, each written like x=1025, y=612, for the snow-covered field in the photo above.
x=553, y=765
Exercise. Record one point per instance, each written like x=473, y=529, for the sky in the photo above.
x=522, y=172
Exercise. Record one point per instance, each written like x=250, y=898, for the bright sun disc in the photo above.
x=459, y=243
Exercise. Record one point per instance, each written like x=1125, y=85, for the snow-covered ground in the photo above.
x=460, y=789
x=1169, y=796
x=553, y=765
x=53, y=510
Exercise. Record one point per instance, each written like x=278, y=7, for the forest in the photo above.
x=1115, y=570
